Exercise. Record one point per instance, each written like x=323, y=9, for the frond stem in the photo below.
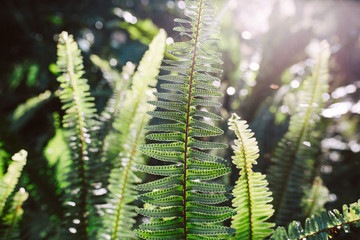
x=192, y=71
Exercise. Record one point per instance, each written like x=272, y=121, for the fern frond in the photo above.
x=186, y=169
x=24, y=112
x=321, y=226
x=13, y=215
x=251, y=195
x=78, y=121
x=315, y=198
x=57, y=153
x=11, y=177
x=293, y=159
x=119, y=215
x=119, y=82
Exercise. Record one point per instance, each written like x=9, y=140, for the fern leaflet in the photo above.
x=13, y=216
x=8, y=182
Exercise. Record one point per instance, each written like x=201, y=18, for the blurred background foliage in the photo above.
x=263, y=44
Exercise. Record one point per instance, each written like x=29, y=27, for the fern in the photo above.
x=323, y=225
x=11, y=178
x=184, y=198
x=13, y=215
x=25, y=111
x=252, y=197
x=8, y=182
x=124, y=142
x=119, y=82
x=78, y=120
x=315, y=198
x=57, y=153
x=293, y=158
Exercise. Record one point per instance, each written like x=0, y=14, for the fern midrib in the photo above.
x=82, y=142
x=300, y=140
x=187, y=123
x=127, y=171
x=328, y=229
x=245, y=170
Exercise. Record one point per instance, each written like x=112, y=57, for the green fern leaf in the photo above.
x=293, y=158
x=315, y=198
x=322, y=225
x=13, y=215
x=119, y=82
x=11, y=177
x=8, y=182
x=181, y=99
x=119, y=213
x=252, y=197
x=78, y=122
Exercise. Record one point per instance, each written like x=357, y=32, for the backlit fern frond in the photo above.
x=11, y=177
x=78, y=121
x=119, y=83
x=11, y=215
x=293, y=159
x=251, y=194
x=184, y=198
x=321, y=226
x=315, y=198
x=124, y=142
x=9, y=223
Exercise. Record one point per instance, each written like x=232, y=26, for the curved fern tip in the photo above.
x=20, y=156
x=63, y=36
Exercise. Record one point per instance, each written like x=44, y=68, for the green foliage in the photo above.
x=142, y=30
x=11, y=177
x=123, y=146
x=323, y=225
x=94, y=165
x=13, y=215
x=3, y=156
x=119, y=83
x=8, y=182
x=251, y=196
x=183, y=199
x=78, y=121
x=57, y=153
x=315, y=198
x=293, y=159
x=25, y=111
